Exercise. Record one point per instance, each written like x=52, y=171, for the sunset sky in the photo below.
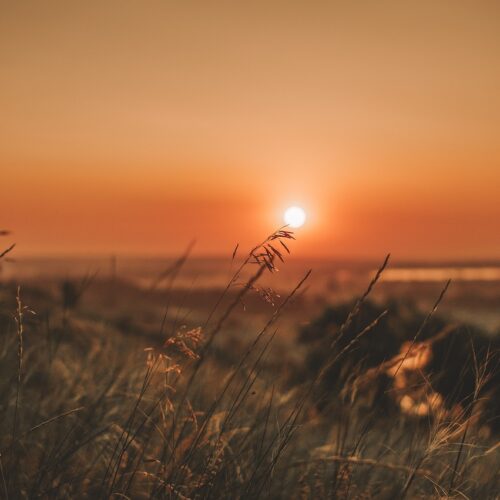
x=135, y=126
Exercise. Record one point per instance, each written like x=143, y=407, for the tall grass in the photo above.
x=93, y=415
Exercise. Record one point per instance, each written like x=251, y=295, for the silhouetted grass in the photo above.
x=87, y=412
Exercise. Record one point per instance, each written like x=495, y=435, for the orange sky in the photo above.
x=133, y=127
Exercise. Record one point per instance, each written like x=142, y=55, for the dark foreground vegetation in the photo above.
x=370, y=401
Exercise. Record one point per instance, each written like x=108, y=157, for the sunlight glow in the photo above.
x=294, y=217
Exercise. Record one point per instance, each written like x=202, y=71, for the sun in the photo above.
x=294, y=217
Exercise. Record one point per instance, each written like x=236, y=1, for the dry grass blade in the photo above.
x=20, y=348
x=57, y=417
x=355, y=310
x=4, y=482
x=233, y=256
x=8, y=250
x=172, y=271
x=370, y=462
x=423, y=325
x=480, y=379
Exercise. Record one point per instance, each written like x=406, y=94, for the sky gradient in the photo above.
x=134, y=127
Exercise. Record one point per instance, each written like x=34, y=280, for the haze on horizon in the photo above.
x=134, y=127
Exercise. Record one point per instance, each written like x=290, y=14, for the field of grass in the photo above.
x=121, y=396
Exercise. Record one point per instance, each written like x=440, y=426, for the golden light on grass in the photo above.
x=294, y=217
